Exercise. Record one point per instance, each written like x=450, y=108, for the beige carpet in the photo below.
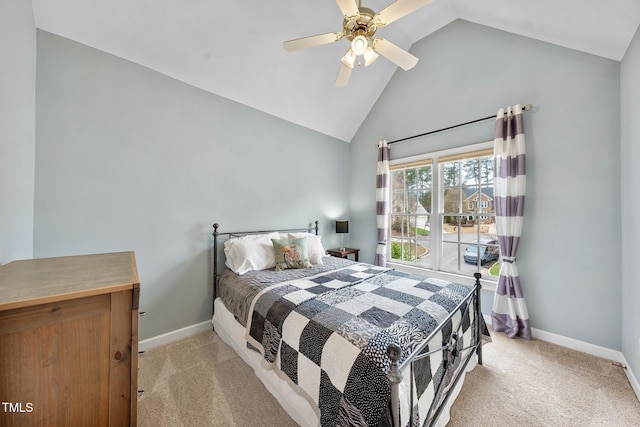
x=200, y=381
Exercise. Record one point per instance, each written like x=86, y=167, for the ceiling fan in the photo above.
x=359, y=27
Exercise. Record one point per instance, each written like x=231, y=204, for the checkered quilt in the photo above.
x=329, y=334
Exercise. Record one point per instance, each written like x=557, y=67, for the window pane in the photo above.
x=452, y=259
x=486, y=175
x=397, y=191
x=410, y=177
x=410, y=239
x=471, y=200
x=470, y=171
x=397, y=180
x=412, y=202
x=469, y=244
x=425, y=201
x=424, y=177
x=451, y=175
x=452, y=200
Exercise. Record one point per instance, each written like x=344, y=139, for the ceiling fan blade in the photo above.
x=393, y=53
x=399, y=9
x=348, y=7
x=311, y=41
x=343, y=75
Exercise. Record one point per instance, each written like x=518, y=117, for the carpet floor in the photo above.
x=200, y=381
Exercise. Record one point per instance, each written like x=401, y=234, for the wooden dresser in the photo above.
x=69, y=341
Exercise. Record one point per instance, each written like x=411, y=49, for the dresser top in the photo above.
x=30, y=282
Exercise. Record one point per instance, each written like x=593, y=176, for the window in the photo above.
x=411, y=200
x=442, y=214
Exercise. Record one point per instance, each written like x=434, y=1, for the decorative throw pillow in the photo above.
x=314, y=244
x=291, y=253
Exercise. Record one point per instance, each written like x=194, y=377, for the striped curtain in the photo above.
x=382, y=202
x=509, y=313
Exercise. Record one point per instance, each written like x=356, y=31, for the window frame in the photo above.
x=437, y=158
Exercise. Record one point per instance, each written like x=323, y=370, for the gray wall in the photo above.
x=17, y=128
x=129, y=159
x=569, y=258
x=630, y=187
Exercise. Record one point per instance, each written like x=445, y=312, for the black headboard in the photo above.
x=229, y=235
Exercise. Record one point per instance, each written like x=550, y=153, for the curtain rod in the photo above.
x=527, y=107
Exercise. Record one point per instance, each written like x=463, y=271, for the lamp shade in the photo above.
x=342, y=226
x=349, y=58
x=369, y=55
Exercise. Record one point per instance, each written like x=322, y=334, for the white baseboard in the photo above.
x=592, y=349
x=633, y=380
x=176, y=335
x=595, y=350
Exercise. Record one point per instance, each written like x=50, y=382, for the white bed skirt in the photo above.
x=296, y=405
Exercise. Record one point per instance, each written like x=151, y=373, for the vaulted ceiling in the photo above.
x=234, y=48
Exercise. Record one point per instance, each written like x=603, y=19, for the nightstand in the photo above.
x=344, y=253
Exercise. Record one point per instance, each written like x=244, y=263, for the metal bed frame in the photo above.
x=394, y=352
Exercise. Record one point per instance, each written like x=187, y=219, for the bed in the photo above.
x=343, y=343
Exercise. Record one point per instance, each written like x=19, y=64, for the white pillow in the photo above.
x=250, y=252
x=314, y=246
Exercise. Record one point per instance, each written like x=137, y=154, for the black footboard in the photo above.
x=454, y=360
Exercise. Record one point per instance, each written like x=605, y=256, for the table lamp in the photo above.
x=342, y=227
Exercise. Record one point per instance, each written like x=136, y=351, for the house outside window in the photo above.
x=442, y=214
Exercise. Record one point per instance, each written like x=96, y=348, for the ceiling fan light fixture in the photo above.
x=359, y=45
x=369, y=55
x=349, y=58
